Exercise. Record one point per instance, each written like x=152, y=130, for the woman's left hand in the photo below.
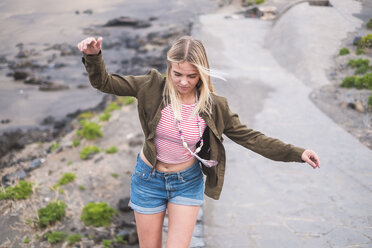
x=311, y=158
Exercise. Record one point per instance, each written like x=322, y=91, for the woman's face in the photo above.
x=185, y=76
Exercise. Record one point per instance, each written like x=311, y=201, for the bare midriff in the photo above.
x=165, y=167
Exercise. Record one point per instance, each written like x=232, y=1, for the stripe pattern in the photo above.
x=168, y=140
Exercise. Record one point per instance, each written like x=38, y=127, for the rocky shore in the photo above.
x=29, y=153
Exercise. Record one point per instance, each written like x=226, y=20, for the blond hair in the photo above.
x=188, y=49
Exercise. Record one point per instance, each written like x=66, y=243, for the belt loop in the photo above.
x=180, y=177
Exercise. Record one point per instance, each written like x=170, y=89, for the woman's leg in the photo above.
x=181, y=223
x=150, y=229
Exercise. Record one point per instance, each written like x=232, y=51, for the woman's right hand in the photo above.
x=90, y=46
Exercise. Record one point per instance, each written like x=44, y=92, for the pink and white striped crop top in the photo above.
x=168, y=140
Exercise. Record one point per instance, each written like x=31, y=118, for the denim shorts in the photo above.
x=151, y=191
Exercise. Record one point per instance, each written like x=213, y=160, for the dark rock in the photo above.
x=96, y=160
x=320, y=3
x=59, y=65
x=3, y=60
x=123, y=204
x=36, y=163
x=77, y=12
x=49, y=120
x=52, y=86
x=130, y=236
x=356, y=40
x=88, y=11
x=33, y=81
x=11, y=178
x=5, y=121
x=136, y=141
x=127, y=21
x=82, y=86
x=153, y=18
x=65, y=49
x=20, y=75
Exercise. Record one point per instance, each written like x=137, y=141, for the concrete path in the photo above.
x=267, y=204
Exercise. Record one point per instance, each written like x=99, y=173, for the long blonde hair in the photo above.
x=188, y=49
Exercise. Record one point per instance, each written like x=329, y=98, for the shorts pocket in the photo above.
x=142, y=174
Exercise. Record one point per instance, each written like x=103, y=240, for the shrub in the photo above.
x=362, y=69
x=259, y=1
x=89, y=150
x=85, y=115
x=366, y=41
x=112, y=106
x=106, y=243
x=54, y=147
x=65, y=179
x=90, y=131
x=97, y=214
x=76, y=142
x=356, y=63
x=21, y=191
x=370, y=101
x=105, y=116
x=366, y=81
x=73, y=238
x=26, y=240
x=111, y=150
x=81, y=187
x=69, y=162
x=360, y=51
x=348, y=82
x=55, y=237
x=125, y=100
x=53, y=212
x=369, y=24
x=344, y=51
x=115, y=175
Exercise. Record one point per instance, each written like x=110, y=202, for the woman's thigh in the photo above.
x=150, y=229
x=181, y=223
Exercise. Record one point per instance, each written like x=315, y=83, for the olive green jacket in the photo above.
x=148, y=89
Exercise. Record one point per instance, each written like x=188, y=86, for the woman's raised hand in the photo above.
x=90, y=46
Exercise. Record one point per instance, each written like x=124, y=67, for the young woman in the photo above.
x=183, y=121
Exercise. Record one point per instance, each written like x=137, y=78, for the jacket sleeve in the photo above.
x=113, y=83
x=256, y=141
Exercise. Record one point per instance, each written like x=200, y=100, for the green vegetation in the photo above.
x=115, y=175
x=251, y=2
x=105, y=116
x=88, y=150
x=21, y=191
x=73, y=238
x=97, y=214
x=366, y=41
x=76, y=142
x=125, y=100
x=69, y=162
x=112, y=149
x=54, y=147
x=363, y=82
x=112, y=106
x=370, y=101
x=85, y=115
x=106, y=243
x=90, y=131
x=369, y=24
x=26, y=240
x=55, y=237
x=343, y=51
x=65, y=179
x=81, y=187
x=53, y=212
x=360, y=51
x=361, y=65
